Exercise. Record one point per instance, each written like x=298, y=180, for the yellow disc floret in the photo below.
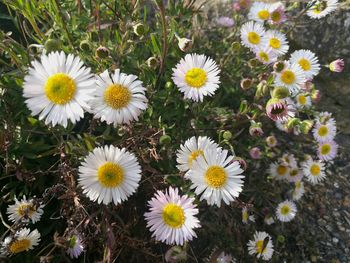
x=196, y=77
x=110, y=175
x=275, y=43
x=215, y=176
x=117, y=96
x=315, y=169
x=304, y=64
x=193, y=156
x=19, y=246
x=173, y=215
x=288, y=77
x=60, y=88
x=322, y=131
x=253, y=38
x=263, y=14
x=285, y=210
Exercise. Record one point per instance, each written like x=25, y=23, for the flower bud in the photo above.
x=281, y=238
x=152, y=62
x=271, y=141
x=164, y=139
x=280, y=93
x=185, y=44
x=169, y=85
x=227, y=135
x=102, y=52
x=306, y=126
x=279, y=66
x=139, y=29
x=52, y=45
x=293, y=122
x=308, y=86
x=316, y=96
x=85, y=45
x=255, y=153
x=241, y=162
x=255, y=129
x=236, y=46
x=253, y=63
x=246, y=83
x=337, y=65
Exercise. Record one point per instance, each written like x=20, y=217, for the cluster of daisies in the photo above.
x=28, y=212
x=59, y=89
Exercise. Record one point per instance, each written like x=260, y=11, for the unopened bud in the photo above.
x=102, y=52
x=227, y=135
x=169, y=85
x=164, y=139
x=85, y=45
x=280, y=93
x=316, y=96
x=176, y=254
x=139, y=29
x=246, y=83
x=52, y=45
x=185, y=44
x=271, y=141
x=306, y=126
x=293, y=122
x=152, y=62
x=255, y=129
x=279, y=66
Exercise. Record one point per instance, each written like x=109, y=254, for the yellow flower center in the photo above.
x=245, y=216
x=264, y=56
x=110, y=175
x=302, y=99
x=193, y=156
x=60, y=88
x=259, y=247
x=319, y=7
x=275, y=43
x=26, y=210
x=323, y=131
x=325, y=149
x=276, y=16
x=173, y=215
x=304, y=64
x=263, y=14
x=281, y=170
x=288, y=77
x=196, y=77
x=19, y=246
x=117, y=96
x=215, y=176
x=253, y=38
x=285, y=210
x=293, y=172
x=315, y=169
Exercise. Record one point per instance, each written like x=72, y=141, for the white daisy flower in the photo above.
x=58, y=88
x=275, y=40
x=325, y=117
x=294, y=174
x=289, y=160
x=298, y=191
x=216, y=176
x=277, y=15
x=265, y=55
x=303, y=101
x=171, y=217
x=307, y=60
x=25, y=211
x=328, y=150
x=324, y=132
x=314, y=171
x=23, y=240
x=286, y=211
x=119, y=98
x=260, y=12
x=251, y=34
x=196, y=76
x=291, y=77
x=278, y=171
x=261, y=246
x=193, y=148
x=322, y=8
x=75, y=246
x=108, y=174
